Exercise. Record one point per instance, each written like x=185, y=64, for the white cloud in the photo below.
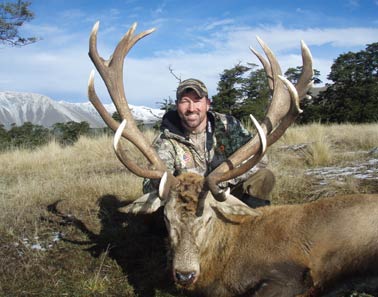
x=72, y=14
x=353, y=3
x=159, y=9
x=336, y=37
x=282, y=39
x=65, y=69
x=219, y=23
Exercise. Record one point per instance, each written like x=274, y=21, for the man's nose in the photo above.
x=191, y=106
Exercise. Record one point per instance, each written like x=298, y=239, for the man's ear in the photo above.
x=208, y=104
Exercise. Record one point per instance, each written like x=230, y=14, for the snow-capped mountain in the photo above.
x=18, y=108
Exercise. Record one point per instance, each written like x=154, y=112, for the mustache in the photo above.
x=191, y=112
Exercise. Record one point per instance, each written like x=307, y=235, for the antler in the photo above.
x=111, y=71
x=283, y=110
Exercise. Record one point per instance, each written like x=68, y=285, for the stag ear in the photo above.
x=148, y=203
x=234, y=210
x=235, y=213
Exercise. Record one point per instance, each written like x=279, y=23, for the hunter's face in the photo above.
x=192, y=110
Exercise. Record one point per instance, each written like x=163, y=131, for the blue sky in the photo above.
x=196, y=38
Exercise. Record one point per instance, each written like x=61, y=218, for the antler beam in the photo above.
x=283, y=110
x=111, y=71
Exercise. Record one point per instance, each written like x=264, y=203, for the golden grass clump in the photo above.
x=324, y=145
x=78, y=175
x=317, y=145
x=317, y=149
x=355, y=137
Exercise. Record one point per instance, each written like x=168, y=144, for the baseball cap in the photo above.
x=191, y=83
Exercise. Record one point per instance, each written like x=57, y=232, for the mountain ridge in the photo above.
x=20, y=107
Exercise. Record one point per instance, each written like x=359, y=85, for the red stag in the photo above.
x=221, y=247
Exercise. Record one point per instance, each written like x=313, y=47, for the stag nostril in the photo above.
x=185, y=278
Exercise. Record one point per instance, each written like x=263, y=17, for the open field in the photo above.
x=62, y=232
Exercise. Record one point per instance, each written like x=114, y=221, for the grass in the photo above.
x=62, y=233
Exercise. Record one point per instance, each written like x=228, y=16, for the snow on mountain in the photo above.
x=18, y=108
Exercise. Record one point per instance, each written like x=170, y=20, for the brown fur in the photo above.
x=188, y=190
x=285, y=251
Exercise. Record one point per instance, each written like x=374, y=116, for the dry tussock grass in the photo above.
x=317, y=145
x=78, y=175
x=89, y=169
x=103, y=253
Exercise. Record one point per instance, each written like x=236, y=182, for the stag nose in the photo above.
x=185, y=278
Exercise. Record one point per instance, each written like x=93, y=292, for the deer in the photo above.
x=219, y=245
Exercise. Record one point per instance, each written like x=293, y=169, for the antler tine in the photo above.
x=129, y=163
x=297, y=93
x=305, y=81
x=212, y=183
x=290, y=117
x=283, y=110
x=111, y=71
x=266, y=65
x=271, y=119
x=280, y=104
x=93, y=98
x=116, y=61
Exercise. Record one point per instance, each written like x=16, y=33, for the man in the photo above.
x=195, y=139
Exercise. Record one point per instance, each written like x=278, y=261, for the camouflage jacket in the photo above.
x=223, y=136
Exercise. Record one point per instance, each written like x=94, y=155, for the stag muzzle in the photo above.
x=186, y=267
x=185, y=279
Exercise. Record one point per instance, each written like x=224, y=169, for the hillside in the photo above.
x=18, y=108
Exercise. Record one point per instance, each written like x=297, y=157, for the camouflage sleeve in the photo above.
x=248, y=136
x=166, y=152
x=240, y=136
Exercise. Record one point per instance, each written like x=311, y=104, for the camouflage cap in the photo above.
x=191, y=83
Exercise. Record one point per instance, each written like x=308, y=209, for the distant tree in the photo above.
x=116, y=116
x=69, y=133
x=177, y=77
x=4, y=138
x=229, y=89
x=244, y=90
x=167, y=104
x=28, y=135
x=353, y=96
x=293, y=75
x=13, y=14
x=256, y=94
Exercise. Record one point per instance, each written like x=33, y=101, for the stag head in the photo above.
x=190, y=214
x=192, y=202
